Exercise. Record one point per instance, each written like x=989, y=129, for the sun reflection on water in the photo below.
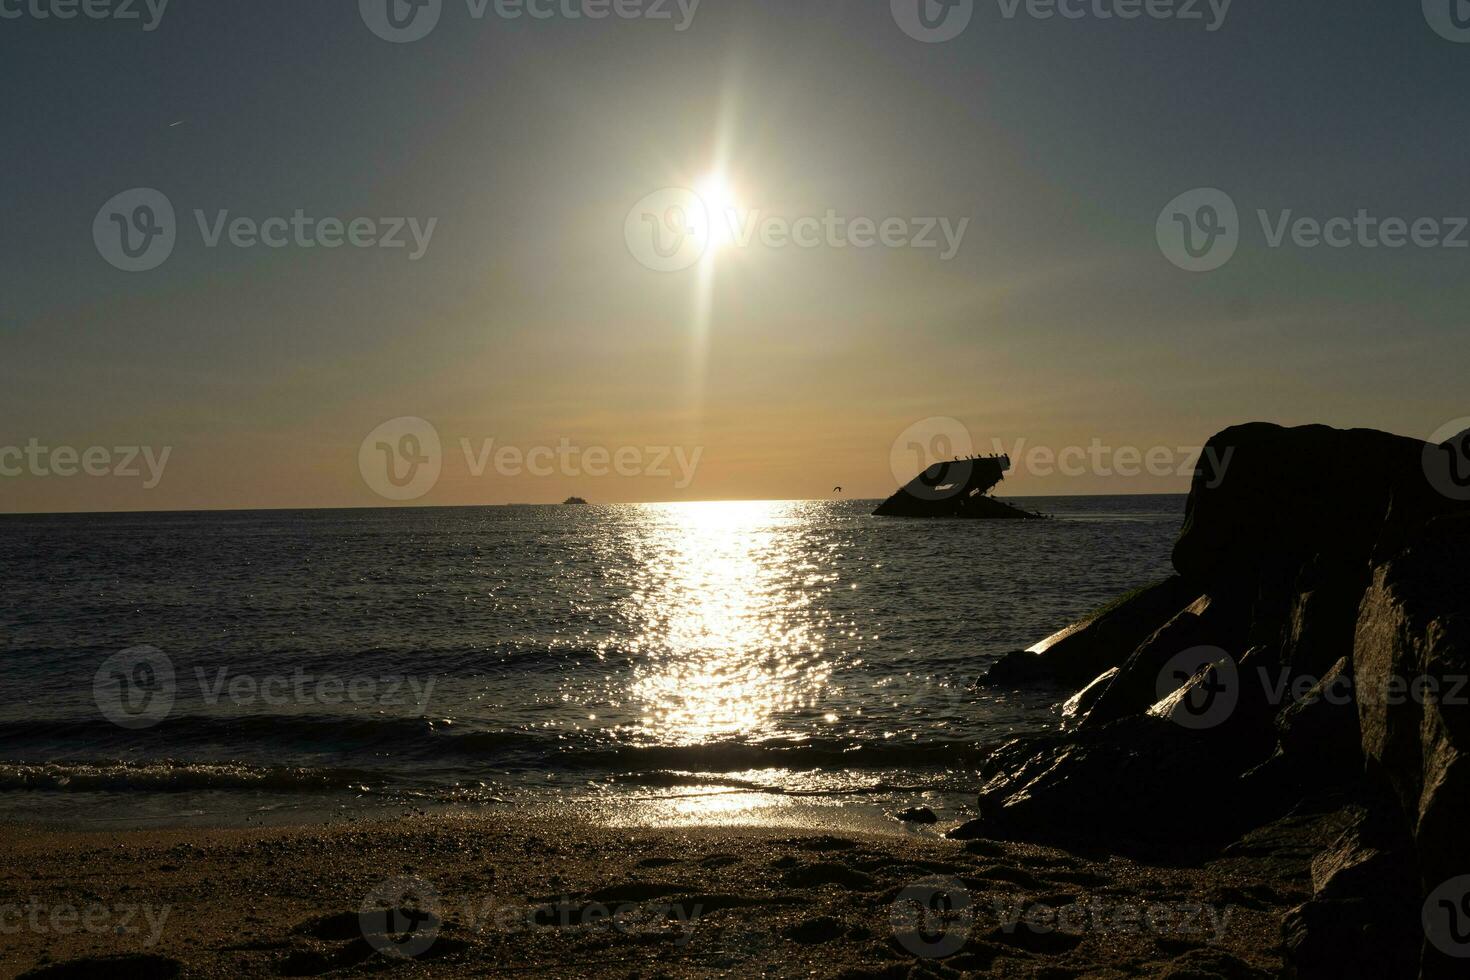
x=729, y=637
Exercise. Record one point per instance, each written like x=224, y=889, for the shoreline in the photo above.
x=835, y=812
x=567, y=898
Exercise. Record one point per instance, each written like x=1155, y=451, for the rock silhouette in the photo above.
x=1322, y=574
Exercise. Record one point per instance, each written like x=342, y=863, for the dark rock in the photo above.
x=1100, y=641
x=975, y=831
x=918, y=814
x=1209, y=697
x=1312, y=561
x=1312, y=934
x=1292, y=521
x=1362, y=919
x=1366, y=932
x=1320, y=623
x=1267, y=497
x=1414, y=631
x=1367, y=855
x=1079, y=705
x=1223, y=692
x=1141, y=783
x=1209, y=629
x=1319, y=731
x=1019, y=667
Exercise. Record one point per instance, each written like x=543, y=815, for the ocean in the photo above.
x=750, y=662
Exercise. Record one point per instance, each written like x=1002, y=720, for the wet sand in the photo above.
x=477, y=896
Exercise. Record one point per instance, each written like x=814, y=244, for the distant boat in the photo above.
x=574, y=500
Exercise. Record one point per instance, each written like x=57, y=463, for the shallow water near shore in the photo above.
x=714, y=663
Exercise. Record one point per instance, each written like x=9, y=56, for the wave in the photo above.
x=168, y=776
x=439, y=750
x=276, y=734
x=793, y=753
x=444, y=661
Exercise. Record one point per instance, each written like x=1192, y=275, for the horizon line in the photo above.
x=625, y=503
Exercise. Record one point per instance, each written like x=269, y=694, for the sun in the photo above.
x=723, y=207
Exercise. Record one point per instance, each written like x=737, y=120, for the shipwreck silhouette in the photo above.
x=958, y=488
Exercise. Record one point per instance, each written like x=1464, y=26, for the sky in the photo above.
x=532, y=341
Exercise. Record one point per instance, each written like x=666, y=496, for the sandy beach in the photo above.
x=479, y=896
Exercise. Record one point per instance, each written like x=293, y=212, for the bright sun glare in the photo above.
x=720, y=201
